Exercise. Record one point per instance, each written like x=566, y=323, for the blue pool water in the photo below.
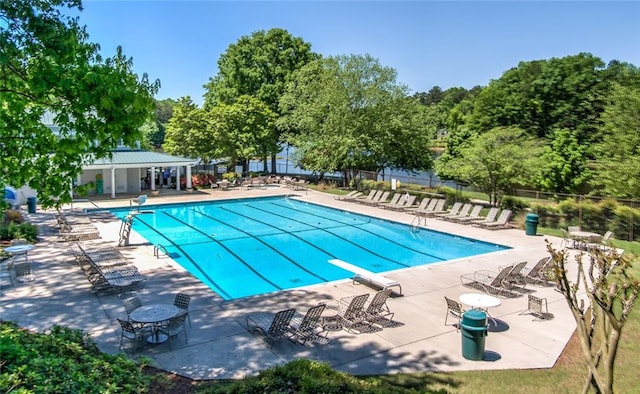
x=246, y=247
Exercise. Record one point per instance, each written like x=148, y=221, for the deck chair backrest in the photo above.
x=492, y=214
x=432, y=204
x=504, y=216
x=423, y=203
x=464, y=211
x=573, y=228
x=378, y=302
x=372, y=193
x=440, y=203
x=540, y=265
x=394, y=199
x=355, y=307
x=455, y=209
x=280, y=323
x=384, y=197
x=408, y=200
x=607, y=237
x=377, y=195
x=312, y=318
x=475, y=212
x=502, y=275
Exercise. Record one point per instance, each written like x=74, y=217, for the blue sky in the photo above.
x=428, y=43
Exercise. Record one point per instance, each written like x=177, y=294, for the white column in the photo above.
x=178, y=178
x=113, y=182
x=189, y=177
x=153, y=178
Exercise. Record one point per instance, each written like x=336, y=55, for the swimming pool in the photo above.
x=246, y=247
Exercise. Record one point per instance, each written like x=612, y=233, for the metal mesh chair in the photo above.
x=131, y=305
x=174, y=327
x=455, y=310
x=182, y=301
x=23, y=272
x=132, y=333
x=273, y=327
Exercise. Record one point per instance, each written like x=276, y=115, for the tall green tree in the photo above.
x=618, y=155
x=563, y=165
x=259, y=65
x=188, y=132
x=495, y=162
x=241, y=131
x=348, y=112
x=49, y=68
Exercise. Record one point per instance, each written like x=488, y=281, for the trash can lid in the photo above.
x=532, y=217
x=474, y=318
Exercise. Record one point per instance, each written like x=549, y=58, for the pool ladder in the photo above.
x=125, y=230
x=415, y=225
x=159, y=248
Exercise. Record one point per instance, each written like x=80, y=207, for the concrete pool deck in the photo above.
x=220, y=347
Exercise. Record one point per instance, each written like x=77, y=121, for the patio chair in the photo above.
x=394, y=201
x=501, y=222
x=537, y=307
x=383, y=198
x=491, y=217
x=182, y=301
x=305, y=327
x=131, y=305
x=378, y=310
x=132, y=333
x=350, y=196
x=490, y=282
x=423, y=205
x=405, y=202
x=174, y=327
x=455, y=310
x=455, y=209
x=537, y=274
x=515, y=275
x=352, y=315
x=473, y=215
x=373, y=193
x=272, y=327
x=463, y=212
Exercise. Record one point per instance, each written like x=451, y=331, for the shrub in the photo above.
x=450, y=194
x=63, y=361
x=570, y=211
x=19, y=230
x=592, y=218
x=548, y=215
x=516, y=205
x=626, y=222
x=12, y=216
x=299, y=376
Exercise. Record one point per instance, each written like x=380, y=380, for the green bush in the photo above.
x=516, y=205
x=450, y=194
x=63, y=361
x=592, y=218
x=570, y=210
x=23, y=230
x=548, y=215
x=298, y=376
x=625, y=221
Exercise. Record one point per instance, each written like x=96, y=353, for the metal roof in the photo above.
x=139, y=159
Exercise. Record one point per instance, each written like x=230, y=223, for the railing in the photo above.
x=159, y=248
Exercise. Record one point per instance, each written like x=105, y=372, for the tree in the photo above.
x=48, y=68
x=242, y=130
x=188, y=134
x=564, y=163
x=259, y=65
x=495, y=161
x=611, y=291
x=348, y=112
x=618, y=155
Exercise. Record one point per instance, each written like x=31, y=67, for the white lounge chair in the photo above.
x=363, y=275
x=501, y=222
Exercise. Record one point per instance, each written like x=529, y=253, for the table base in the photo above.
x=156, y=339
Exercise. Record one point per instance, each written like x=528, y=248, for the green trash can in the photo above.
x=474, y=332
x=31, y=204
x=531, y=224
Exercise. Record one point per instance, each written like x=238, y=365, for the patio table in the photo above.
x=155, y=315
x=482, y=302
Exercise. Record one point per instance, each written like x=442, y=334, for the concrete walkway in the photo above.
x=220, y=347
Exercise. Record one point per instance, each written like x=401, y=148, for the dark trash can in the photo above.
x=531, y=224
x=31, y=204
x=474, y=332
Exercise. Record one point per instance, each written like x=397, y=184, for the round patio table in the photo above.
x=19, y=250
x=155, y=315
x=481, y=301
